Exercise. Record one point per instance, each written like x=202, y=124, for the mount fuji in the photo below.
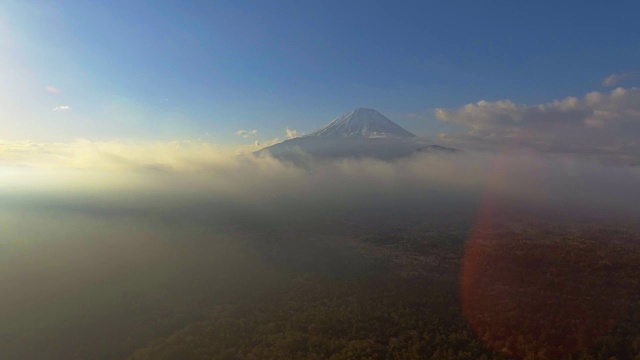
x=359, y=133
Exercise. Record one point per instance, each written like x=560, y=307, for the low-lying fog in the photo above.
x=93, y=234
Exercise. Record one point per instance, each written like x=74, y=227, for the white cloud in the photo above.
x=247, y=133
x=291, y=133
x=615, y=79
x=599, y=124
x=61, y=108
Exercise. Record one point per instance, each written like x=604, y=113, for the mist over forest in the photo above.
x=124, y=255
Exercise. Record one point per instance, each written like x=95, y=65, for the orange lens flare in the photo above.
x=531, y=289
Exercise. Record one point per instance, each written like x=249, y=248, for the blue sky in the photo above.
x=205, y=69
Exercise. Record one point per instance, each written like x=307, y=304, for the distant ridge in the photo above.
x=435, y=148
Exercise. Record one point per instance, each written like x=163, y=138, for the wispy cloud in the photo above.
x=615, y=79
x=291, y=133
x=61, y=108
x=247, y=133
x=262, y=144
x=53, y=90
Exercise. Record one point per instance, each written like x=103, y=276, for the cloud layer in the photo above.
x=172, y=176
x=602, y=125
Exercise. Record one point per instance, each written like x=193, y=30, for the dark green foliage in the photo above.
x=386, y=294
x=322, y=319
x=419, y=316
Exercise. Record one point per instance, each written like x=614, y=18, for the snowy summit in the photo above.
x=361, y=122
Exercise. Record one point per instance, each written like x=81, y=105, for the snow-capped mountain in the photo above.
x=367, y=123
x=358, y=133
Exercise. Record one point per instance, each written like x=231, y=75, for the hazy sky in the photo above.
x=233, y=72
